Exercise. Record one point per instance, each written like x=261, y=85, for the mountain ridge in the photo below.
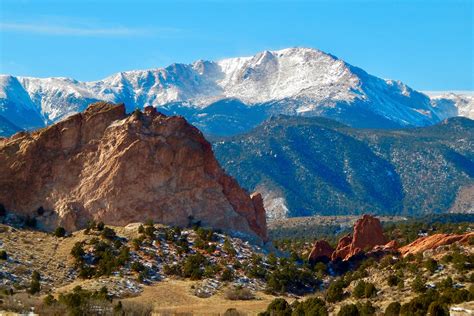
x=295, y=81
x=307, y=166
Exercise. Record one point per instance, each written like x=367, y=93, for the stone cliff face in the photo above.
x=108, y=166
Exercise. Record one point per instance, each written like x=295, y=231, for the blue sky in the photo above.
x=426, y=44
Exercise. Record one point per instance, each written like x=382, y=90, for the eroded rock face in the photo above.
x=107, y=166
x=321, y=251
x=368, y=233
x=432, y=242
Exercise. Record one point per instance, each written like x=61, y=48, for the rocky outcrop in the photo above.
x=434, y=241
x=321, y=251
x=367, y=234
x=343, y=248
x=105, y=165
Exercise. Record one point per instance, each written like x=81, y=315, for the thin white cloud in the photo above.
x=63, y=30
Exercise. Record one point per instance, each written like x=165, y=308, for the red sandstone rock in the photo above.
x=321, y=251
x=259, y=224
x=107, y=166
x=434, y=241
x=343, y=248
x=367, y=234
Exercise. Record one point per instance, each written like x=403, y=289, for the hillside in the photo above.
x=307, y=166
x=231, y=96
x=144, y=268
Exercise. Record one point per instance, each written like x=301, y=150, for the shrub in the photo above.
x=393, y=309
x=228, y=248
x=445, y=284
x=227, y=275
x=193, y=266
x=137, y=266
x=278, y=306
x=59, y=232
x=392, y=280
x=205, y=234
x=335, y=291
x=150, y=231
x=365, y=309
x=49, y=300
x=108, y=233
x=290, y=278
x=83, y=302
x=431, y=265
x=100, y=226
x=359, y=290
x=3, y=210
x=364, y=289
x=418, y=285
x=437, y=309
x=348, y=310
x=320, y=268
x=35, y=286
x=233, y=312
x=370, y=290
x=77, y=251
x=312, y=306
x=239, y=293
x=3, y=255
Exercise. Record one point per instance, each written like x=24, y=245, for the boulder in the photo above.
x=321, y=251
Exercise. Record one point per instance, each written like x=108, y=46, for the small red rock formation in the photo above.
x=367, y=234
x=343, y=248
x=434, y=241
x=321, y=251
x=108, y=166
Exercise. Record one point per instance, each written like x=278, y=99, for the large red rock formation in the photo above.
x=434, y=241
x=367, y=234
x=108, y=166
x=321, y=251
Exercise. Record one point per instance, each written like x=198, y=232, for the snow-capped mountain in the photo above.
x=461, y=101
x=233, y=95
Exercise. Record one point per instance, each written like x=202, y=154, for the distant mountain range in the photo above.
x=232, y=96
x=309, y=165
